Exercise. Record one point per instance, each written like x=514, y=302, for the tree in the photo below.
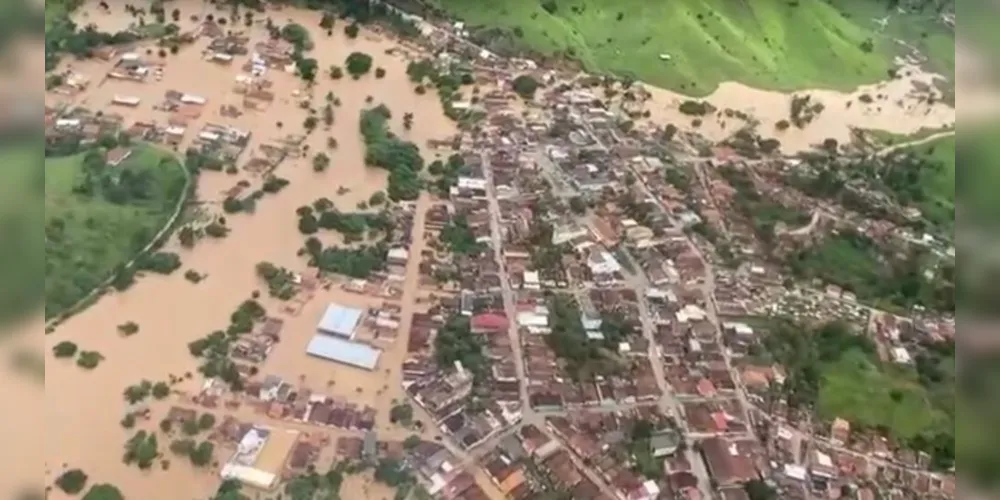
x=186, y=236
x=307, y=69
x=757, y=489
x=232, y=205
x=323, y=204
x=161, y=390
x=320, y=162
x=358, y=63
x=377, y=198
x=308, y=224
x=328, y=114
x=351, y=30
x=578, y=205
x=327, y=21
x=216, y=230
x=128, y=421
x=401, y=414
x=72, y=481
x=695, y=108
x=64, y=349
x=182, y=447
x=310, y=123
x=141, y=449
x=525, y=86
x=201, y=455
x=89, y=359
x=297, y=35
x=206, y=421
x=411, y=442
x=104, y=491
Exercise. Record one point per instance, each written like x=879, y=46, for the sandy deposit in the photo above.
x=83, y=408
x=899, y=106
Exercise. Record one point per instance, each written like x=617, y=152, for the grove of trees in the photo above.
x=384, y=149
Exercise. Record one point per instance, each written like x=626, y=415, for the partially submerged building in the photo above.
x=334, y=338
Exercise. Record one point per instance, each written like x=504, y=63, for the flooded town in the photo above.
x=403, y=266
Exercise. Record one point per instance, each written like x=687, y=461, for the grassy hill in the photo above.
x=87, y=235
x=782, y=45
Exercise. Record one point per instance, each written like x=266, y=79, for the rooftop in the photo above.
x=343, y=351
x=340, y=320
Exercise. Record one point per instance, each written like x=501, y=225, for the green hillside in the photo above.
x=781, y=45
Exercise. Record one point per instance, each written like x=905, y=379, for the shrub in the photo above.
x=379, y=73
x=159, y=262
x=768, y=146
x=89, y=359
x=550, y=6
x=358, y=63
x=206, y=421
x=232, y=205
x=72, y=481
x=336, y=72
x=782, y=125
x=128, y=421
x=64, y=349
x=696, y=108
x=525, y=86
x=217, y=230
x=161, y=390
x=103, y=492
x=351, y=30
x=128, y=328
x=201, y=455
x=320, y=162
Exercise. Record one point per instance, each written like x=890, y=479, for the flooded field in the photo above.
x=83, y=408
x=903, y=105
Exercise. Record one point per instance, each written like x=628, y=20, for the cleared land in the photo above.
x=772, y=45
x=88, y=236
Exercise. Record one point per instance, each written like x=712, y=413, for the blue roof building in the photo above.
x=344, y=351
x=340, y=320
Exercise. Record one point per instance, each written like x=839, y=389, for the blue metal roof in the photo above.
x=340, y=320
x=343, y=351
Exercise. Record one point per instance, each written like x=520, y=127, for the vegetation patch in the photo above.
x=837, y=372
x=692, y=46
x=383, y=149
x=128, y=328
x=72, y=481
x=97, y=216
x=89, y=359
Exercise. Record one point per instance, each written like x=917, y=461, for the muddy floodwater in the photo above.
x=903, y=105
x=83, y=408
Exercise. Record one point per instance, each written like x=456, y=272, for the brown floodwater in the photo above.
x=902, y=109
x=83, y=408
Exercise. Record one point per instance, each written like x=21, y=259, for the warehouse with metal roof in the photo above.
x=340, y=320
x=341, y=350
